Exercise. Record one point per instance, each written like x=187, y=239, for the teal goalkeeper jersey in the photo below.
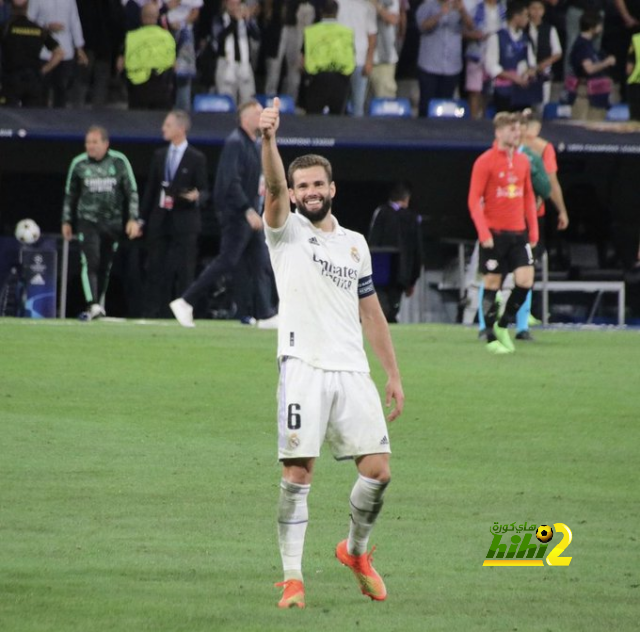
x=102, y=191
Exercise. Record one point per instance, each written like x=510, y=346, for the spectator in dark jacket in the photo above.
x=236, y=200
x=394, y=239
x=21, y=41
x=103, y=25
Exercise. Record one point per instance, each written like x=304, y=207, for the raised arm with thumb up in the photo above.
x=277, y=206
x=270, y=119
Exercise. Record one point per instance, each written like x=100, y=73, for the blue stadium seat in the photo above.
x=618, y=112
x=213, y=103
x=380, y=106
x=287, y=104
x=553, y=110
x=448, y=108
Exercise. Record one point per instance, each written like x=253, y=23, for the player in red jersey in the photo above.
x=503, y=208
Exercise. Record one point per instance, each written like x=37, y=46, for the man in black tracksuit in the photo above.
x=242, y=248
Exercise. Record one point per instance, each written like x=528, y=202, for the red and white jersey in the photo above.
x=501, y=194
x=321, y=277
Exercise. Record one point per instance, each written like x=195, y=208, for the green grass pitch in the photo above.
x=138, y=483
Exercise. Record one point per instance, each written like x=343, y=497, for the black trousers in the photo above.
x=23, y=88
x=633, y=97
x=243, y=254
x=98, y=245
x=59, y=82
x=171, y=265
x=327, y=89
x=390, y=297
x=154, y=94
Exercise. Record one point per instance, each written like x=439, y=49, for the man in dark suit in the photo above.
x=243, y=252
x=394, y=239
x=175, y=190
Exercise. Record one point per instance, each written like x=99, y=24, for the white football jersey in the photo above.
x=321, y=277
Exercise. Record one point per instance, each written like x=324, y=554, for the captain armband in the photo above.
x=365, y=287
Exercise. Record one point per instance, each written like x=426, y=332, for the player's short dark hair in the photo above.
x=104, y=134
x=399, y=191
x=504, y=119
x=516, y=7
x=589, y=20
x=307, y=161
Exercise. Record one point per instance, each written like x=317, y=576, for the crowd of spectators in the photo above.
x=496, y=55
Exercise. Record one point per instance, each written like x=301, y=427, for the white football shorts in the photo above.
x=341, y=407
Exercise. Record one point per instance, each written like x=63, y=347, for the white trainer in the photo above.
x=183, y=312
x=269, y=323
x=96, y=311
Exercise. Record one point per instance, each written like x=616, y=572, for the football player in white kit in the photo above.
x=327, y=300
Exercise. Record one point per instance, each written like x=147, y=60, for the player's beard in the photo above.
x=315, y=216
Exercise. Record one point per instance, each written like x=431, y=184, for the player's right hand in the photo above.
x=488, y=243
x=270, y=119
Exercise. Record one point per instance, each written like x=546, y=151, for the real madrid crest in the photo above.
x=294, y=440
x=355, y=255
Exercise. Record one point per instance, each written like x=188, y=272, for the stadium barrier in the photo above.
x=597, y=287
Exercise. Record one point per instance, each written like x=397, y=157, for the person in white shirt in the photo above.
x=489, y=16
x=327, y=300
x=232, y=32
x=360, y=15
x=546, y=45
x=385, y=58
x=182, y=15
x=61, y=18
x=511, y=63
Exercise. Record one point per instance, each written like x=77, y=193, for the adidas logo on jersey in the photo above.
x=314, y=241
x=384, y=440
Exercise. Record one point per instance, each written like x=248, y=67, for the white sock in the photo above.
x=293, y=517
x=366, y=503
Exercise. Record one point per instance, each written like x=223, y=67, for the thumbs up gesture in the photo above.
x=270, y=119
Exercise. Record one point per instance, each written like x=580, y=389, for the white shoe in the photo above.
x=183, y=312
x=269, y=323
x=96, y=311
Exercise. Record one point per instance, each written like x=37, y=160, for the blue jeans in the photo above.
x=183, y=93
x=359, y=84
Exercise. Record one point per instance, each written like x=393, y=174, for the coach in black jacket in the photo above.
x=170, y=210
x=243, y=251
